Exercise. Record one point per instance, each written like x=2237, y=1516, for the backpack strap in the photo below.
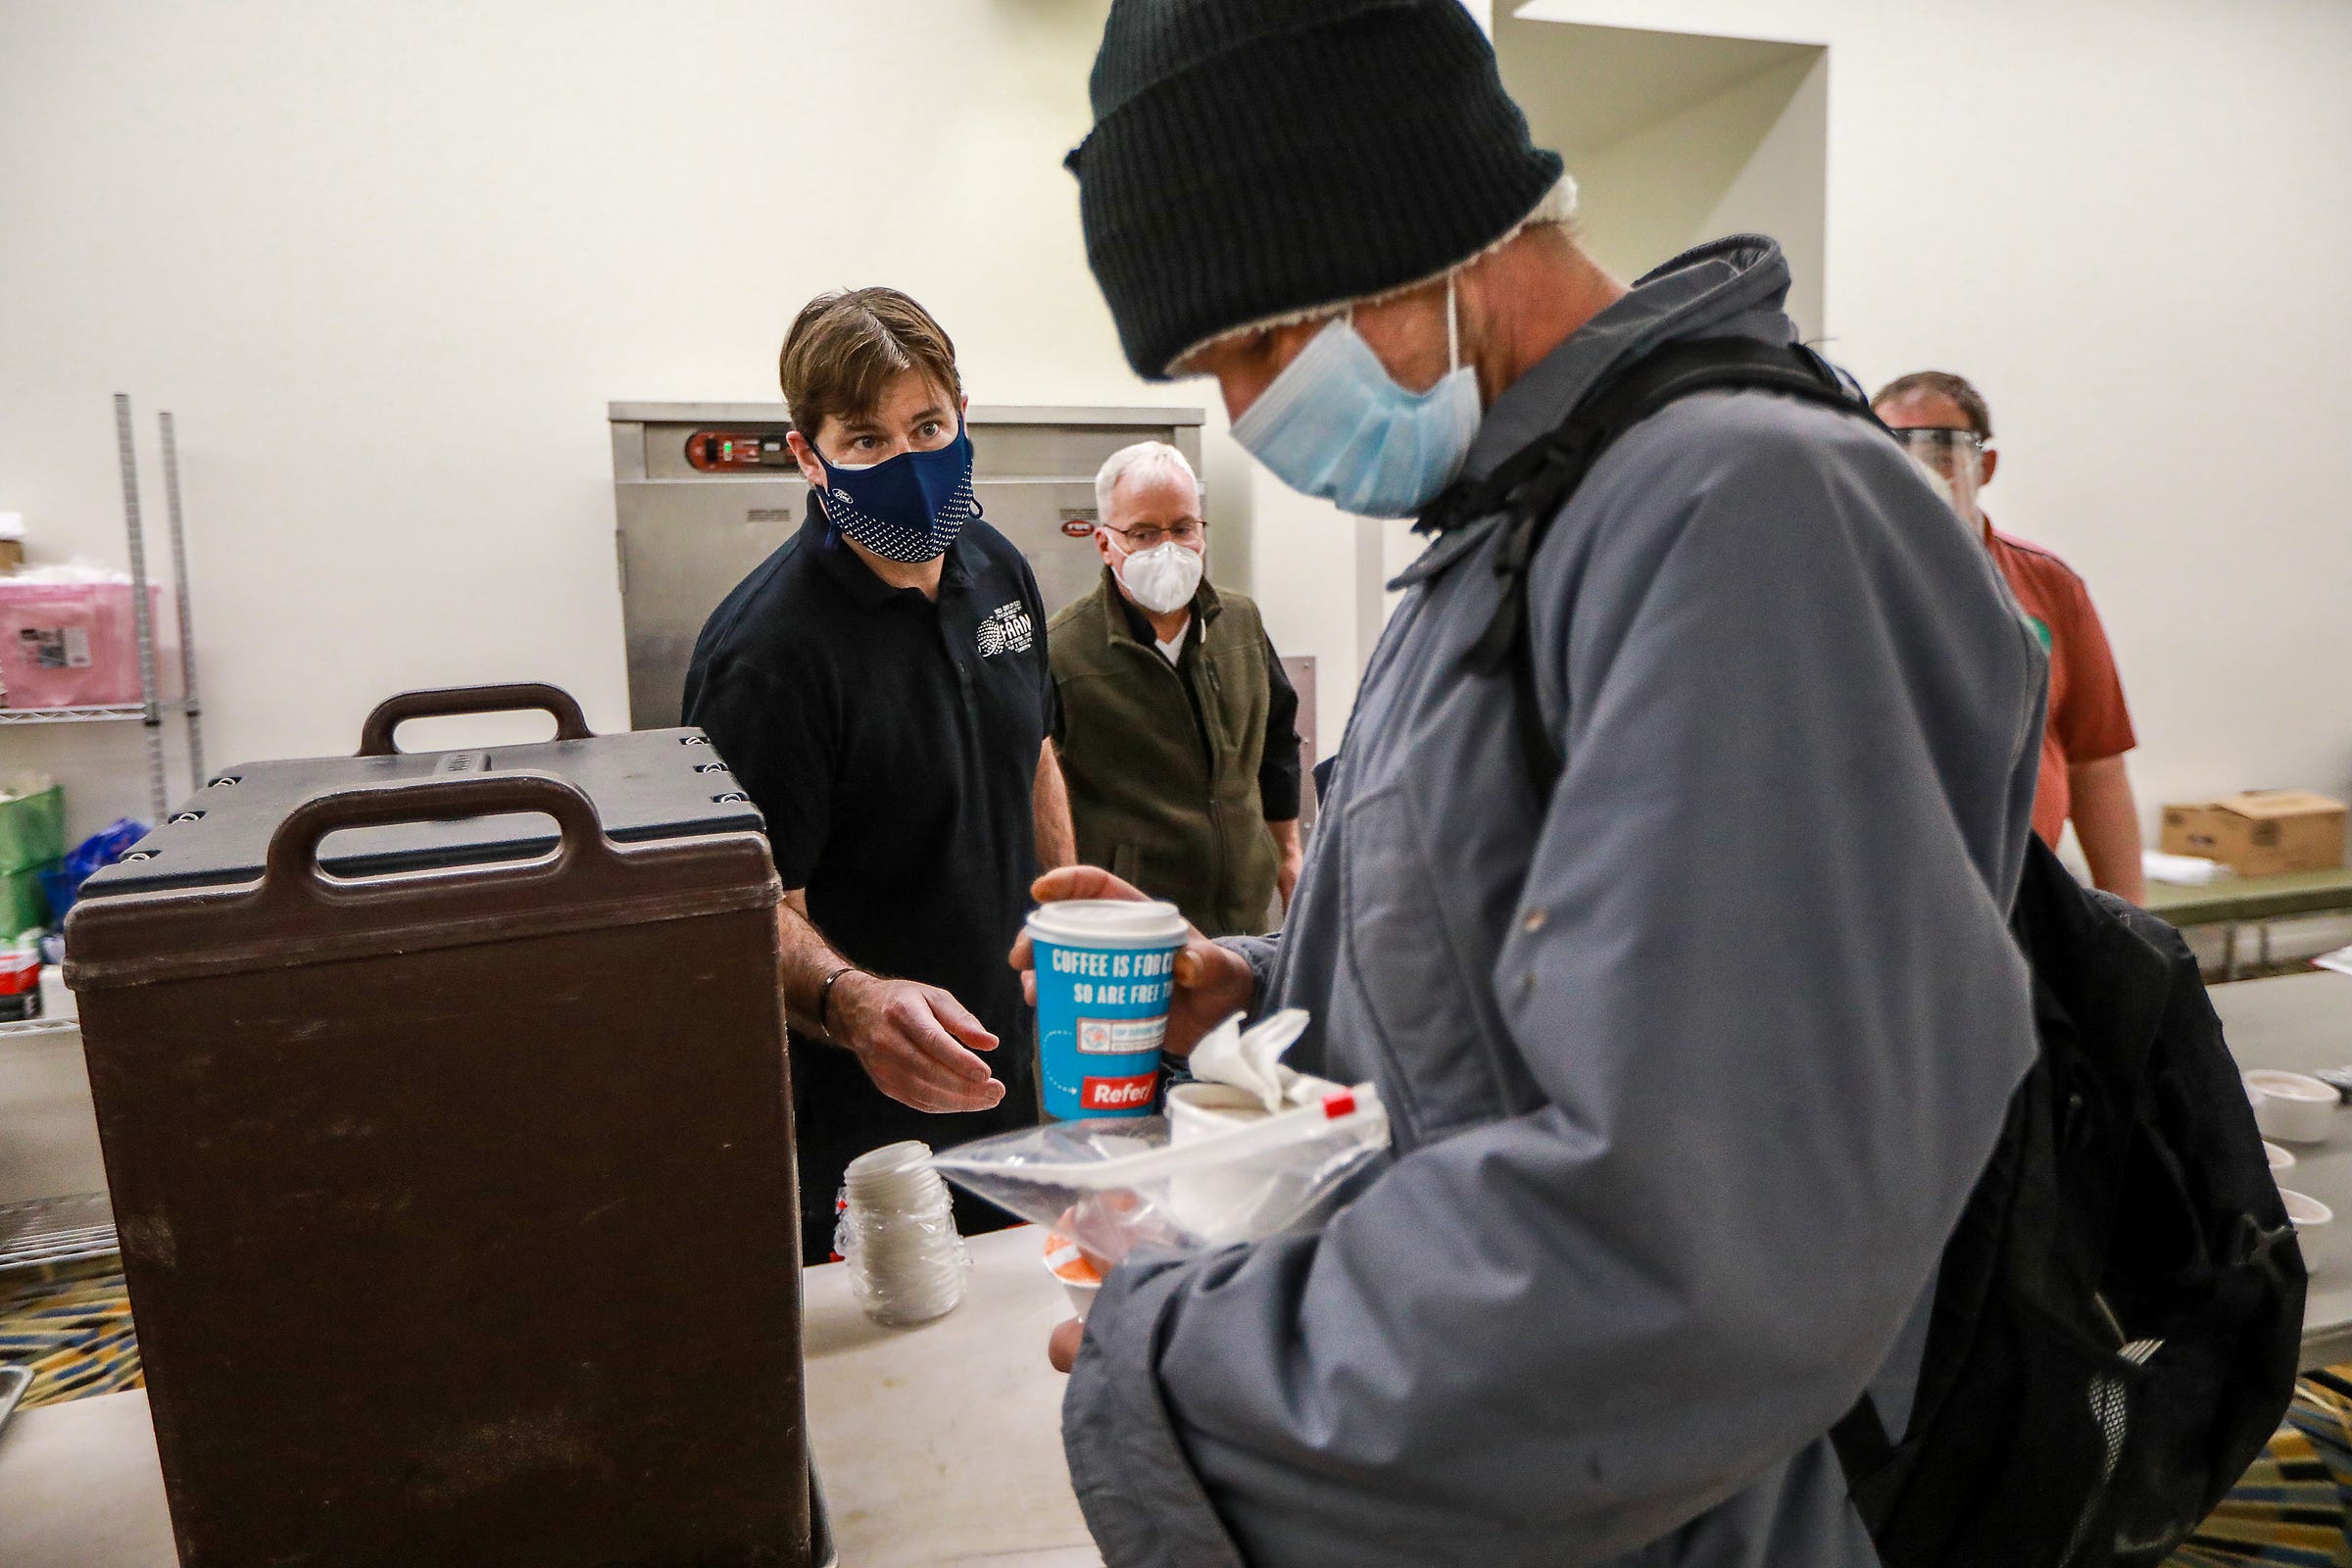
x=1532, y=486
x=1536, y=482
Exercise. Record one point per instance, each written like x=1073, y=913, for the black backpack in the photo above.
x=2098, y=1372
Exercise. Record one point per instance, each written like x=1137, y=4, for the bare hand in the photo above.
x=916, y=1041
x=1285, y=875
x=1062, y=1349
x=1212, y=983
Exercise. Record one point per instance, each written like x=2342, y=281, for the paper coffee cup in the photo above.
x=1106, y=975
x=2316, y=1234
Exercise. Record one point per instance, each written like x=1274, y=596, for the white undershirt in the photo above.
x=1170, y=649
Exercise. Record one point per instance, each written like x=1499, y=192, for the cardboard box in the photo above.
x=2260, y=833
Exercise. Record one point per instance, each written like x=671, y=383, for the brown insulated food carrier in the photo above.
x=445, y=1112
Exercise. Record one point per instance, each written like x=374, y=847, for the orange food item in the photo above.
x=1069, y=1264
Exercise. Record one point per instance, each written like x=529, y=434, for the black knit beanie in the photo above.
x=1254, y=158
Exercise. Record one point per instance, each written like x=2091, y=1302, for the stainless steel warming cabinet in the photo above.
x=703, y=491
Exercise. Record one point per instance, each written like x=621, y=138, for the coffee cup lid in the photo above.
x=1108, y=923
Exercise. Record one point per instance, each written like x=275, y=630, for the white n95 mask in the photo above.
x=1162, y=578
x=1336, y=424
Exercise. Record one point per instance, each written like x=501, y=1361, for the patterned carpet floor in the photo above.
x=71, y=1323
x=2291, y=1507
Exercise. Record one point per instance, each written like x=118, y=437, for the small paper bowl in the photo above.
x=2316, y=1230
x=2291, y=1107
x=2282, y=1158
x=1080, y=1280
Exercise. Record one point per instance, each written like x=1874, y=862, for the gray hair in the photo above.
x=1145, y=457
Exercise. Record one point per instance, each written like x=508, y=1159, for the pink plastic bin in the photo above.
x=71, y=645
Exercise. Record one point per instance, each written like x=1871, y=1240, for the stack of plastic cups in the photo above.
x=897, y=1234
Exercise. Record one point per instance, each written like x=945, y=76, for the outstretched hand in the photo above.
x=916, y=1041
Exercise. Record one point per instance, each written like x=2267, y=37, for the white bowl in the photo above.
x=2292, y=1108
x=2281, y=1160
x=2316, y=1230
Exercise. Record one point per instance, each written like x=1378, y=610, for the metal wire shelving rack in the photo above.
x=153, y=707
x=50, y=1232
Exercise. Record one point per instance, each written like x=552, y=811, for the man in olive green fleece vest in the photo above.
x=1178, y=729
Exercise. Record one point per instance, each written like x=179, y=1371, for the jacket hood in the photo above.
x=1726, y=287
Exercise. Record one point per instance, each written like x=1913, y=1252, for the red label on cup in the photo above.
x=1118, y=1093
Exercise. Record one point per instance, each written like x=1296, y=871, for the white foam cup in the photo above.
x=2316, y=1230
x=1213, y=1202
x=2292, y=1108
x=1198, y=1110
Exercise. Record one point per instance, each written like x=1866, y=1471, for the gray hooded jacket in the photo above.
x=1690, y=1069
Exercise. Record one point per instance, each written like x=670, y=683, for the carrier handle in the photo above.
x=291, y=869
x=516, y=697
x=298, y=912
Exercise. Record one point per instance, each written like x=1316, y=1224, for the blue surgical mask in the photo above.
x=1336, y=424
x=908, y=508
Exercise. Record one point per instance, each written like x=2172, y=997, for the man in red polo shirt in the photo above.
x=1945, y=424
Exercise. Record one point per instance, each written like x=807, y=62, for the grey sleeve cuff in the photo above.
x=1142, y=1501
x=1261, y=953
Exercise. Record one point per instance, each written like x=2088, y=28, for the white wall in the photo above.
x=1750, y=158
x=1677, y=138
x=2126, y=224
x=387, y=264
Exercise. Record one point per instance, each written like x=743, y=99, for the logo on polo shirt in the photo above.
x=1006, y=629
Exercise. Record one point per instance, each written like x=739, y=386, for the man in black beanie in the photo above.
x=1691, y=1054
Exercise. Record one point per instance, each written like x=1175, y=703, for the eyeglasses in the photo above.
x=1940, y=447
x=1151, y=536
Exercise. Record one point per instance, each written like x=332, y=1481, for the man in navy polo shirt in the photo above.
x=879, y=687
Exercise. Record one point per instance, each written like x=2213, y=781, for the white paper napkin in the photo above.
x=1250, y=1059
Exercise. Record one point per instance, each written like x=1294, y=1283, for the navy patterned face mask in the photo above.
x=908, y=508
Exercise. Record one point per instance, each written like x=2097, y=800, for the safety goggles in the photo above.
x=1942, y=448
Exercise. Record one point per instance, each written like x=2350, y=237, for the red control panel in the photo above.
x=738, y=451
